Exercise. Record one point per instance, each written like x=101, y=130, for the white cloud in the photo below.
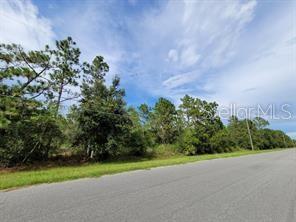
x=21, y=23
x=230, y=51
x=192, y=35
x=95, y=30
x=221, y=50
x=267, y=67
x=179, y=80
x=173, y=55
x=189, y=57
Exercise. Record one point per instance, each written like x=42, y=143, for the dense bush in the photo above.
x=222, y=142
x=29, y=140
x=188, y=142
x=164, y=150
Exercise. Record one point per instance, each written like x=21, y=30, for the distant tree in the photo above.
x=144, y=113
x=263, y=138
x=239, y=132
x=137, y=139
x=163, y=121
x=198, y=112
x=260, y=123
x=222, y=142
x=201, y=116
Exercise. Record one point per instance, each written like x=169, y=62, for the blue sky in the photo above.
x=234, y=51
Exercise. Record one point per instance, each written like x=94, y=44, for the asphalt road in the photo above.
x=257, y=188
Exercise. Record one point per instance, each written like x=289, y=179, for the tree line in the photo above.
x=35, y=84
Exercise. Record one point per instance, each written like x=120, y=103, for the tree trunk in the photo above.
x=59, y=98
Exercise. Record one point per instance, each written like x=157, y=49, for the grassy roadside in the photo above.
x=24, y=178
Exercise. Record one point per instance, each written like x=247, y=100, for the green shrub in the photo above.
x=221, y=142
x=165, y=150
x=29, y=140
x=188, y=142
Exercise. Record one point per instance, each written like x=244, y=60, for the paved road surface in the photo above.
x=257, y=188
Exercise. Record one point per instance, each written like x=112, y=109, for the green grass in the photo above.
x=10, y=180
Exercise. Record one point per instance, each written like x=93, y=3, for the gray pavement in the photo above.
x=256, y=188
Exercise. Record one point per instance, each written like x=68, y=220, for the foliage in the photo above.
x=262, y=137
x=34, y=84
x=270, y=139
x=27, y=129
x=65, y=69
x=163, y=121
x=239, y=133
x=102, y=117
x=137, y=140
x=260, y=123
x=188, y=142
x=222, y=142
x=201, y=118
x=29, y=140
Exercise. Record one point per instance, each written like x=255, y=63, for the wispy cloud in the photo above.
x=20, y=22
x=268, y=64
x=229, y=51
x=180, y=80
x=189, y=38
x=94, y=27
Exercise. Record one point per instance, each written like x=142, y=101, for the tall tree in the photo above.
x=201, y=117
x=144, y=113
x=198, y=112
x=102, y=116
x=163, y=121
x=65, y=71
x=260, y=123
x=22, y=81
x=24, y=121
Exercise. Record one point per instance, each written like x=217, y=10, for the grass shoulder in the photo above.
x=9, y=180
